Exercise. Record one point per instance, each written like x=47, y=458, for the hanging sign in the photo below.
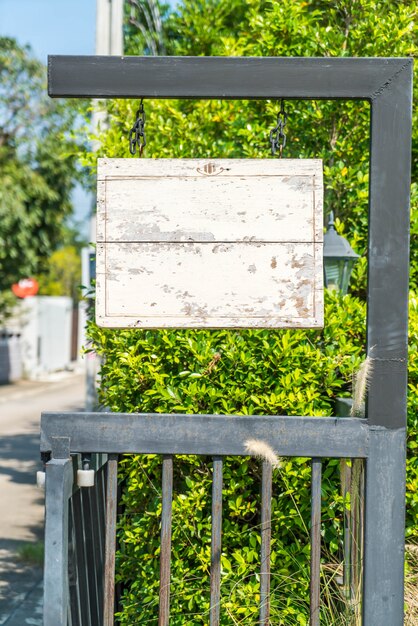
x=217, y=243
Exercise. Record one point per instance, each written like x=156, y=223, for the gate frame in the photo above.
x=386, y=83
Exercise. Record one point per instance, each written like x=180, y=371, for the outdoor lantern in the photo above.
x=339, y=259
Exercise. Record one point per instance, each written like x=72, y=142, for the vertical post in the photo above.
x=90, y=529
x=110, y=540
x=346, y=490
x=109, y=27
x=81, y=558
x=357, y=545
x=315, y=542
x=215, y=556
x=58, y=489
x=266, y=493
x=165, y=553
x=387, y=337
x=384, y=529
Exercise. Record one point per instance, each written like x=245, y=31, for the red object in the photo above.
x=25, y=287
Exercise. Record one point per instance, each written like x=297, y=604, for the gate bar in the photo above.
x=165, y=550
x=213, y=435
x=81, y=556
x=59, y=486
x=110, y=540
x=315, y=542
x=220, y=77
x=384, y=530
x=266, y=493
x=216, y=542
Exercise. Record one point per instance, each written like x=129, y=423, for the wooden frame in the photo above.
x=386, y=83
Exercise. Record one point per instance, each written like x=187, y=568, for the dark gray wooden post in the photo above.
x=387, y=339
x=59, y=485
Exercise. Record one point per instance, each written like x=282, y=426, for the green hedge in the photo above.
x=295, y=372
x=252, y=372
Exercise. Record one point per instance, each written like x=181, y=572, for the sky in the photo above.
x=50, y=26
x=54, y=27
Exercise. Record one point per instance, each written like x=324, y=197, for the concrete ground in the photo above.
x=21, y=503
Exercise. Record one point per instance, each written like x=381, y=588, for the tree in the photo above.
x=63, y=274
x=146, y=26
x=37, y=165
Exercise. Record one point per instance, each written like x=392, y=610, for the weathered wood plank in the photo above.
x=243, y=200
x=209, y=243
x=216, y=285
x=122, y=168
x=206, y=434
x=220, y=77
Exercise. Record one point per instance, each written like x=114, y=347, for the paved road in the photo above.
x=22, y=504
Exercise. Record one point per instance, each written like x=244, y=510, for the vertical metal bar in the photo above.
x=346, y=490
x=77, y=563
x=58, y=487
x=315, y=542
x=216, y=542
x=356, y=537
x=110, y=540
x=96, y=571
x=101, y=504
x=72, y=569
x=358, y=547
x=266, y=492
x=99, y=548
x=165, y=553
x=89, y=530
x=384, y=529
x=81, y=556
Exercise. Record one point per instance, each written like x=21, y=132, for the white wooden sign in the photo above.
x=209, y=243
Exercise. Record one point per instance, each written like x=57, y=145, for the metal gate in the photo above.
x=79, y=571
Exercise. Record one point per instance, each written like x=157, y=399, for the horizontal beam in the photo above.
x=119, y=433
x=221, y=77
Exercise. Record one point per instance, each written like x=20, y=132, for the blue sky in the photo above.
x=50, y=26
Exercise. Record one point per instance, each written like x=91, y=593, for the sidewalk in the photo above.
x=26, y=388
x=21, y=522
x=22, y=583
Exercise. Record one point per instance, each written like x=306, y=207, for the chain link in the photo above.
x=277, y=134
x=137, y=138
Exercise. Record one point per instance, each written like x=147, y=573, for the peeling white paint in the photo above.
x=219, y=243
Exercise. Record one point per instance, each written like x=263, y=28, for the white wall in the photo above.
x=45, y=323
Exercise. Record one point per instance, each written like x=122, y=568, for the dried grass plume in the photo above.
x=263, y=451
x=361, y=383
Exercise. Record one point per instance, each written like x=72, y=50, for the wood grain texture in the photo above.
x=209, y=243
x=220, y=77
x=121, y=433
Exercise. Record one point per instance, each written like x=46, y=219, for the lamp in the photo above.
x=339, y=259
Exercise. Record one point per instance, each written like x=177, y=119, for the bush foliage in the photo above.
x=294, y=372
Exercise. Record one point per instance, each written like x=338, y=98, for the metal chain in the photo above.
x=137, y=138
x=277, y=134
